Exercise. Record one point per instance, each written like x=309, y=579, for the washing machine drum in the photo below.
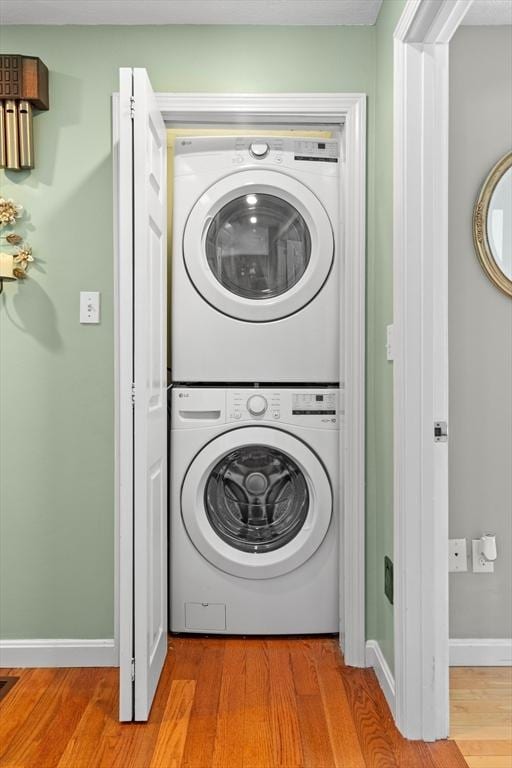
x=256, y=502
x=258, y=246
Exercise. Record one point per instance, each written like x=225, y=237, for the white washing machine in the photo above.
x=255, y=268
x=254, y=510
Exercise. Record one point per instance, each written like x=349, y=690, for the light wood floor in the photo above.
x=223, y=703
x=481, y=715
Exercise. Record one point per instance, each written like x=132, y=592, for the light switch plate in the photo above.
x=457, y=555
x=89, y=306
x=480, y=563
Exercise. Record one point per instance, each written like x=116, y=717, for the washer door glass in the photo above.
x=258, y=246
x=256, y=499
x=256, y=502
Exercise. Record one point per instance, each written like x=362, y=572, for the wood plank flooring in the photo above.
x=481, y=715
x=221, y=703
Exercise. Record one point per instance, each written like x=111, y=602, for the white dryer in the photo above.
x=254, y=510
x=255, y=266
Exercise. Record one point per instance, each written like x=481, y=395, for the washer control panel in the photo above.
x=310, y=407
x=314, y=403
x=200, y=407
x=257, y=405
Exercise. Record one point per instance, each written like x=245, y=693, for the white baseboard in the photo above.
x=375, y=658
x=486, y=652
x=58, y=653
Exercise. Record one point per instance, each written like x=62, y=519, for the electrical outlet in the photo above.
x=480, y=563
x=457, y=555
x=388, y=579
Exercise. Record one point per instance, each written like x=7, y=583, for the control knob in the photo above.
x=259, y=150
x=257, y=405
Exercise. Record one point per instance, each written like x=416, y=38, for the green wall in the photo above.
x=379, y=394
x=56, y=387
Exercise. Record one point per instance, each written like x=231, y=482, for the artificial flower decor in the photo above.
x=14, y=263
x=22, y=259
x=14, y=239
x=9, y=211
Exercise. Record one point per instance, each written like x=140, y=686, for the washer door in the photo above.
x=256, y=502
x=258, y=245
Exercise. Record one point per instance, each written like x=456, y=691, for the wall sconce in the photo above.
x=23, y=85
x=6, y=269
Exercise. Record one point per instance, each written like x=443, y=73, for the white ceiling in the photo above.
x=487, y=12
x=293, y=12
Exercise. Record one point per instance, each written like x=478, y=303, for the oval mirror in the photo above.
x=492, y=224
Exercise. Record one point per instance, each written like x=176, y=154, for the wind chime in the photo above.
x=23, y=87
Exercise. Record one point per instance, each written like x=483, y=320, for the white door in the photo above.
x=143, y=255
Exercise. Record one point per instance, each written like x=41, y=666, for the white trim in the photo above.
x=353, y=575
x=115, y=245
x=447, y=21
x=348, y=109
x=420, y=259
x=250, y=108
x=375, y=659
x=123, y=357
x=481, y=652
x=58, y=653
x=430, y=21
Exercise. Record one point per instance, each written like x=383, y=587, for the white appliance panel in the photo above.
x=217, y=583
x=290, y=332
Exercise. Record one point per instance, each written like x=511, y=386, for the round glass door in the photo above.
x=256, y=499
x=256, y=502
x=258, y=245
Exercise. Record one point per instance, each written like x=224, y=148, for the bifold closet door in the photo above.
x=142, y=280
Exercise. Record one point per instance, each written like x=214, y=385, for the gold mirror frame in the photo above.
x=482, y=247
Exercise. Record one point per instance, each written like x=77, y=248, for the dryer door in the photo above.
x=258, y=245
x=256, y=502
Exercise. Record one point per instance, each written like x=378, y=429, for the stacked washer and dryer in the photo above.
x=255, y=406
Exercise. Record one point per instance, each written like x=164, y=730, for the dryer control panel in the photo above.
x=318, y=155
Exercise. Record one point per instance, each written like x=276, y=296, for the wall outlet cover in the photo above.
x=457, y=555
x=388, y=579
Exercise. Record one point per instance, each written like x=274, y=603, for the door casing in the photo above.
x=346, y=110
x=420, y=376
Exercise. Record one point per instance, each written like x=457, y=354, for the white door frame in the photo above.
x=420, y=269
x=334, y=109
